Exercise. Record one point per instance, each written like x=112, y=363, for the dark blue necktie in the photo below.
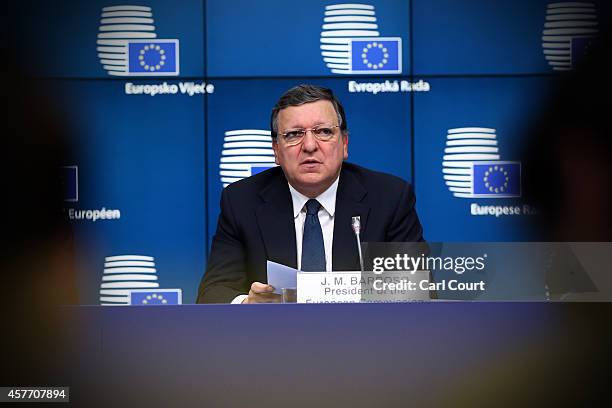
x=313, y=249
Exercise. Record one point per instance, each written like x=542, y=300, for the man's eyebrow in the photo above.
x=317, y=124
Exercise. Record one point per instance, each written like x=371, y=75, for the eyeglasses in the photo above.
x=322, y=133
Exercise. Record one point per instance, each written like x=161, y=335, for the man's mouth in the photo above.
x=310, y=162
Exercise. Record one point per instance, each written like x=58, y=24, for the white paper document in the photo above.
x=281, y=276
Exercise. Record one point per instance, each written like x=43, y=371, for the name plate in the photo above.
x=366, y=287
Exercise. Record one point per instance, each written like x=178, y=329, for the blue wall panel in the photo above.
x=65, y=34
x=281, y=38
x=505, y=105
x=143, y=156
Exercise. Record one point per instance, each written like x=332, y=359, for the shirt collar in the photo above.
x=327, y=199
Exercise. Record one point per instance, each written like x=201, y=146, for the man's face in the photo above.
x=312, y=165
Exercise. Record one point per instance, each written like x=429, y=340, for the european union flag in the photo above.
x=70, y=182
x=153, y=57
x=497, y=179
x=156, y=297
x=376, y=55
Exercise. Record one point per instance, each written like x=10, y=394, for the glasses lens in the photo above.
x=324, y=132
x=294, y=136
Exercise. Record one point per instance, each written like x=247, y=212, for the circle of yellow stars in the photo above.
x=366, y=50
x=496, y=169
x=159, y=297
x=153, y=48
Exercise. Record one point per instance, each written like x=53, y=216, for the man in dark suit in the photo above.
x=299, y=214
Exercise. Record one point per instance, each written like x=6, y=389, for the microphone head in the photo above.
x=356, y=224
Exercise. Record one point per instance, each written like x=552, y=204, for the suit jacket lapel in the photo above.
x=276, y=224
x=348, y=204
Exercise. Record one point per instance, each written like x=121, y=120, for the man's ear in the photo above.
x=275, y=148
x=345, y=137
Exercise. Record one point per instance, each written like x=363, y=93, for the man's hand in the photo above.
x=262, y=293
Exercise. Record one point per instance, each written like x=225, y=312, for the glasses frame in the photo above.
x=312, y=129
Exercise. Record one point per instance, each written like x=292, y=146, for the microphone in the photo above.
x=356, y=224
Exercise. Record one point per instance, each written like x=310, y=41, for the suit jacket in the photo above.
x=256, y=224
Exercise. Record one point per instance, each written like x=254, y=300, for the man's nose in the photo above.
x=309, y=143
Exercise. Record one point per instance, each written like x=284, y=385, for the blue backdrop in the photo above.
x=149, y=140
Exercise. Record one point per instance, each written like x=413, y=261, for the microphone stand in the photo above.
x=356, y=225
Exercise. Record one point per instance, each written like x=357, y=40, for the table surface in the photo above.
x=432, y=353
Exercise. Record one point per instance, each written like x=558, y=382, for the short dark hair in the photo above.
x=302, y=94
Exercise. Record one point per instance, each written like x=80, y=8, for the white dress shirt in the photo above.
x=327, y=199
